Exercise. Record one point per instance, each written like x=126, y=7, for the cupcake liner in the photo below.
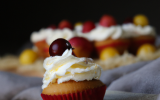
x=90, y=94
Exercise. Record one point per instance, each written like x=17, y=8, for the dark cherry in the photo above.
x=58, y=47
x=128, y=20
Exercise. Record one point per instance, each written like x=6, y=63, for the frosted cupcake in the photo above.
x=140, y=32
x=60, y=33
x=44, y=37
x=39, y=40
x=70, y=78
x=106, y=34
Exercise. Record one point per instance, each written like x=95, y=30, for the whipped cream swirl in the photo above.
x=58, y=33
x=68, y=67
x=101, y=33
x=132, y=30
x=41, y=35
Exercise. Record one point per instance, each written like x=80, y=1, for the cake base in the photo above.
x=70, y=87
x=71, y=90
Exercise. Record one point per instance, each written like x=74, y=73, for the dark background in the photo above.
x=20, y=18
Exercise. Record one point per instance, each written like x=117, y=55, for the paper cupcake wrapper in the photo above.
x=90, y=94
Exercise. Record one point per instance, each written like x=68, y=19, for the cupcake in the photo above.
x=44, y=37
x=105, y=34
x=109, y=34
x=140, y=32
x=65, y=33
x=70, y=78
x=39, y=41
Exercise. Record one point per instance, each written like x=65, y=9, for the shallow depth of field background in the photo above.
x=19, y=19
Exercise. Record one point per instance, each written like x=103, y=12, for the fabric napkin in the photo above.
x=33, y=93
x=12, y=84
x=144, y=80
x=158, y=97
x=108, y=76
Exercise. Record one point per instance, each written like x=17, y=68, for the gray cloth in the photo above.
x=158, y=97
x=142, y=77
x=157, y=40
x=109, y=76
x=33, y=93
x=143, y=80
x=12, y=84
x=119, y=95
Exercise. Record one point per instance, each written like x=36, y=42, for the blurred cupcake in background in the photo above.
x=109, y=34
x=104, y=34
x=58, y=33
x=39, y=41
x=44, y=37
x=140, y=32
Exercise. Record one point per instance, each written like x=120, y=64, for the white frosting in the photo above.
x=57, y=33
x=78, y=28
x=101, y=33
x=132, y=30
x=41, y=35
x=68, y=67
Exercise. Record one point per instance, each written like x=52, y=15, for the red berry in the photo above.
x=88, y=26
x=52, y=26
x=58, y=47
x=65, y=24
x=128, y=20
x=107, y=21
x=83, y=47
